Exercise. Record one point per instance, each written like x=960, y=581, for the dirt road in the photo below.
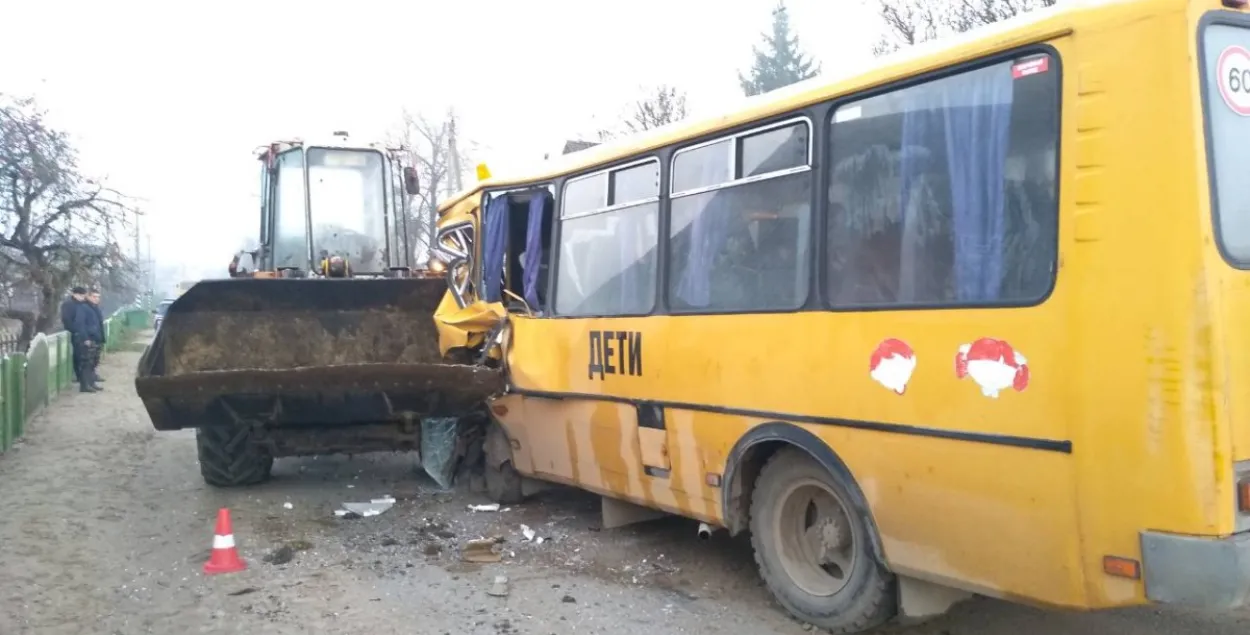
x=105, y=525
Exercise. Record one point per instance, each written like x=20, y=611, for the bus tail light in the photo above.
x=1243, y=495
x=1236, y=4
x=1121, y=567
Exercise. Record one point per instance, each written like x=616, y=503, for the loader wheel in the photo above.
x=229, y=458
x=503, y=482
x=813, y=548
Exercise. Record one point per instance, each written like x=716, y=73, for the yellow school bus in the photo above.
x=973, y=321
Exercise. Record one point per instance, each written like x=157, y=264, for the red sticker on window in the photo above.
x=1233, y=74
x=1031, y=67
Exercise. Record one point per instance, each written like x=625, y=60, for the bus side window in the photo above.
x=608, y=239
x=741, y=209
x=945, y=193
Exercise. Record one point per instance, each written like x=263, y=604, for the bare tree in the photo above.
x=441, y=157
x=57, y=226
x=657, y=106
x=665, y=105
x=911, y=22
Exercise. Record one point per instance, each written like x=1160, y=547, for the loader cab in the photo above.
x=334, y=210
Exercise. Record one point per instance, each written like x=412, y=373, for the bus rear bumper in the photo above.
x=1203, y=572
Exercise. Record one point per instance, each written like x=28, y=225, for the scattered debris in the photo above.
x=492, y=507
x=371, y=508
x=500, y=588
x=481, y=550
x=389, y=542
x=286, y=552
x=568, y=599
x=281, y=555
x=250, y=589
x=527, y=532
x=439, y=448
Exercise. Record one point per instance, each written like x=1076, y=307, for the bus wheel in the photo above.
x=813, y=548
x=504, y=484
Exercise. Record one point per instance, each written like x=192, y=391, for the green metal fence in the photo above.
x=30, y=381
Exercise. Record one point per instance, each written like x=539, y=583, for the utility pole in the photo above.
x=151, y=277
x=453, y=152
x=139, y=275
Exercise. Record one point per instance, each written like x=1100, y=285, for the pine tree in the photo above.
x=781, y=63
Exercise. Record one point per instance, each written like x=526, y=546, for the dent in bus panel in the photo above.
x=944, y=193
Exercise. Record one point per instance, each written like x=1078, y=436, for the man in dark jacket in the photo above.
x=87, y=335
x=77, y=296
x=93, y=301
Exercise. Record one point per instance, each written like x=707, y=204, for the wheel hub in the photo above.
x=834, y=537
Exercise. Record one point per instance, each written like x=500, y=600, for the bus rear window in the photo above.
x=1227, y=67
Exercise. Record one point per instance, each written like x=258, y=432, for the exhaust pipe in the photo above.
x=705, y=531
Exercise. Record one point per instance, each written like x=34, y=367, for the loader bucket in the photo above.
x=312, y=354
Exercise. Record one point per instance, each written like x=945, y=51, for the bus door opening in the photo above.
x=529, y=249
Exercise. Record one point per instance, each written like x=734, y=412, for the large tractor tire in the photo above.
x=813, y=547
x=229, y=458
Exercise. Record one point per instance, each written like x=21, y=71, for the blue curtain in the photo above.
x=534, y=249
x=922, y=128
x=708, y=234
x=966, y=119
x=917, y=144
x=978, y=133
x=496, y=239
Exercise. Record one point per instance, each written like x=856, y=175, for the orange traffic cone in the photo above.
x=225, y=558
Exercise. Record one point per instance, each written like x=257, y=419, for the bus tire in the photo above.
x=504, y=485
x=229, y=458
x=813, y=548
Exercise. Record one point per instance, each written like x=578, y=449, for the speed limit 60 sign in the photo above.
x=1232, y=72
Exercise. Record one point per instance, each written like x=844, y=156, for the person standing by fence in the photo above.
x=86, y=332
x=93, y=301
x=77, y=296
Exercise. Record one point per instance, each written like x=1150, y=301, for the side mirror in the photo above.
x=412, y=182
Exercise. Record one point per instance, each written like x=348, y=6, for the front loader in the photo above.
x=322, y=340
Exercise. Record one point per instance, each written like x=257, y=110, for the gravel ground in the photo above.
x=107, y=523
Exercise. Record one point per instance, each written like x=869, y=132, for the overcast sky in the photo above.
x=168, y=99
